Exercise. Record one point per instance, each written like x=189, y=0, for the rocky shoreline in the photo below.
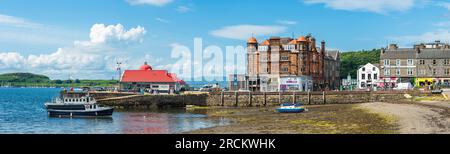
x=366, y=118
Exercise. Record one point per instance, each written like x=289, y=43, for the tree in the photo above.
x=350, y=61
x=77, y=81
x=58, y=81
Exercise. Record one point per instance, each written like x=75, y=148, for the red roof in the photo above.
x=147, y=76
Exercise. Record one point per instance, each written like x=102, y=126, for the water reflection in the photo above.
x=165, y=123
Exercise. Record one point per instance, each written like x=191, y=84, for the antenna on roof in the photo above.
x=293, y=35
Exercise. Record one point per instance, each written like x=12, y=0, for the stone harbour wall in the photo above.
x=155, y=101
x=313, y=98
x=249, y=99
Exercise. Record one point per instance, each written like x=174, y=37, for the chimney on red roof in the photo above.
x=146, y=67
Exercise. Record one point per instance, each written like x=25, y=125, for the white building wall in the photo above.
x=368, y=76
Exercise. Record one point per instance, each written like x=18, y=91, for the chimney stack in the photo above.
x=393, y=47
x=322, y=46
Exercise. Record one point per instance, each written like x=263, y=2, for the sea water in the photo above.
x=22, y=111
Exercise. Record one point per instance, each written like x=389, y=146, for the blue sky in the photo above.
x=57, y=38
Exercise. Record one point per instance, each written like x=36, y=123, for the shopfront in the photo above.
x=295, y=84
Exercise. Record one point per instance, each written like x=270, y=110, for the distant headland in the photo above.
x=37, y=80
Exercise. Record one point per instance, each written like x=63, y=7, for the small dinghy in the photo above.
x=291, y=108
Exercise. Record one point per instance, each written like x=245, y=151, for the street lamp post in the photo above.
x=119, y=69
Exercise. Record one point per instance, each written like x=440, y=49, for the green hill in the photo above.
x=24, y=77
x=35, y=80
x=350, y=61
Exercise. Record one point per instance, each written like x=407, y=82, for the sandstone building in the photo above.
x=422, y=64
x=291, y=64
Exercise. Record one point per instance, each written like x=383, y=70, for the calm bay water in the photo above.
x=22, y=112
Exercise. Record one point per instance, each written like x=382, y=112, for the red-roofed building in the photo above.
x=148, y=79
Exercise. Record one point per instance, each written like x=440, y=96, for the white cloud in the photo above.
x=183, y=9
x=101, y=34
x=162, y=20
x=87, y=59
x=11, y=60
x=243, y=32
x=445, y=5
x=287, y=22
x=16, y=21
x=441, y=34
x=442, y=24
x=377, y=6
x=150, y=2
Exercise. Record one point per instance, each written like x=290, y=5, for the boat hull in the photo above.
x=81, y=113
x=295, y=110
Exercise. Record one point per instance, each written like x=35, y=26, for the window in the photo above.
x=446, y=62
x=422, y=62
x=284, y=57
x=423, y=72
x=434, y=71
x=447, y=71
x=363, y=69
x=369, y=76
x=375, y=76
x=410, y=62
x=434, y=62
x=263, y=48
x=410, y=71
x=374, y=69
x=363, y=76
x=289, y=47
x=386, y=62
x=398, y=72
x=398, y=62
x=387, y=72
x=284, y=69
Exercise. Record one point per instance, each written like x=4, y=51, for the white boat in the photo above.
x=76, y=104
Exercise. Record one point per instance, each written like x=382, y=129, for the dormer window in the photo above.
x=263, y=48
x=289, y=47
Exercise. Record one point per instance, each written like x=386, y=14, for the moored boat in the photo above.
x=76, y=105
x=291, y=108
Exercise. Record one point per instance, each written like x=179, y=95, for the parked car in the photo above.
x=403, y=86
x=206, y=88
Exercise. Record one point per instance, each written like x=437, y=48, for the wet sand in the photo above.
x=416, y=118
x=320, y=119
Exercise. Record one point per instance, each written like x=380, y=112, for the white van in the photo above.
x=403, y=86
